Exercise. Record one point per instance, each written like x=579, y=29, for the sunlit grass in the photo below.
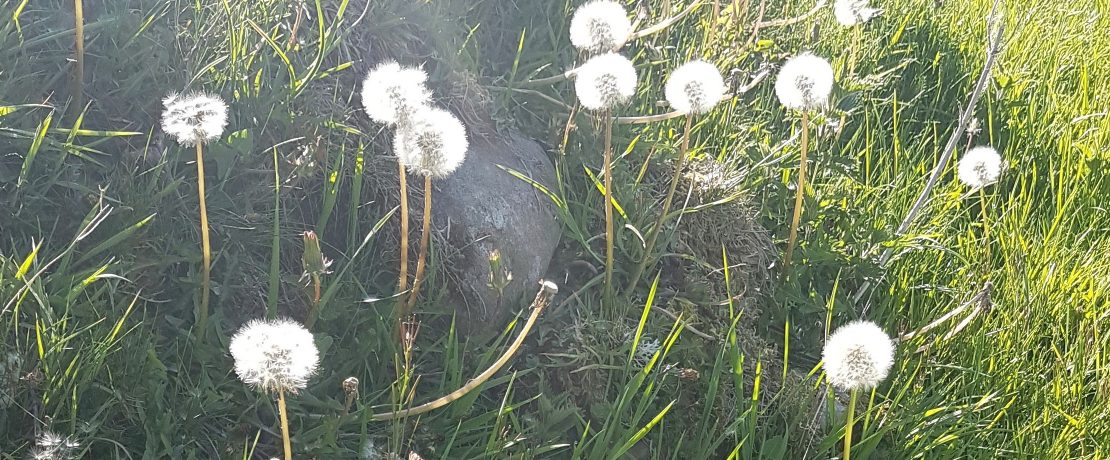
x=98, y=231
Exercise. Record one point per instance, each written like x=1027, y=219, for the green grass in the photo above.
x=99, y=252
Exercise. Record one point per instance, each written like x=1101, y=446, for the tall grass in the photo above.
x=95, y=238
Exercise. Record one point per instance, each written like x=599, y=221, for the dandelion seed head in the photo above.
x=433, y=144
x=274, y=355
x=49, y=440
x=980, y=167
x=858, y=356
x=600, y=26
x=391, y=93
x=695, y=87
x=851, y=12
x=805, y=82
x=193, y=118
x=39, y=453
x=605, y=81
x=50, y=446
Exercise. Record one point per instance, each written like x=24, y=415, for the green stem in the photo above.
x=608, y=205
x=848, y=425
x=316, y=296
x=799, y=196
x=653, y=234
x=986, y=227
x=275, y=246
x=314, y=310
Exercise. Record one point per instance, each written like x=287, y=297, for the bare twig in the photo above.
x=982, y=299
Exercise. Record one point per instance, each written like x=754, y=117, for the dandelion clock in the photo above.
x=275, y=356
x=851, y=12
x=433, y=144
x=803, y=84
x=980, y=167
x=390, y=92
x=857, y=357
x=600, y=26
x=193, y=120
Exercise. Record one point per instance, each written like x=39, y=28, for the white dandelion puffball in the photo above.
x=804, y=83
x=980, y=167
x=851, y=12
x=390, y=92
x=194, y=118
x=605, y=81
x=858, y=356
x=695, y=87
x=600, y=26
x=274, y=355
x=49, y=446
x=433, y=143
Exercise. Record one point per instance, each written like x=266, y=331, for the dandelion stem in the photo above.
x=653, y=234
x=569, y=126
x=403, y=277
x=206, y=248
x=316, y=292
x=284, y=426
x=799, y=196
x=79, y=42
x=422, y=256
x=542, y=300
x=608, y=205
x=275, y=245
x=296, y=25
x=848, y=424
x=986, y=228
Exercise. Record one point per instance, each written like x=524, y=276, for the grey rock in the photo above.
x=483, y=208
